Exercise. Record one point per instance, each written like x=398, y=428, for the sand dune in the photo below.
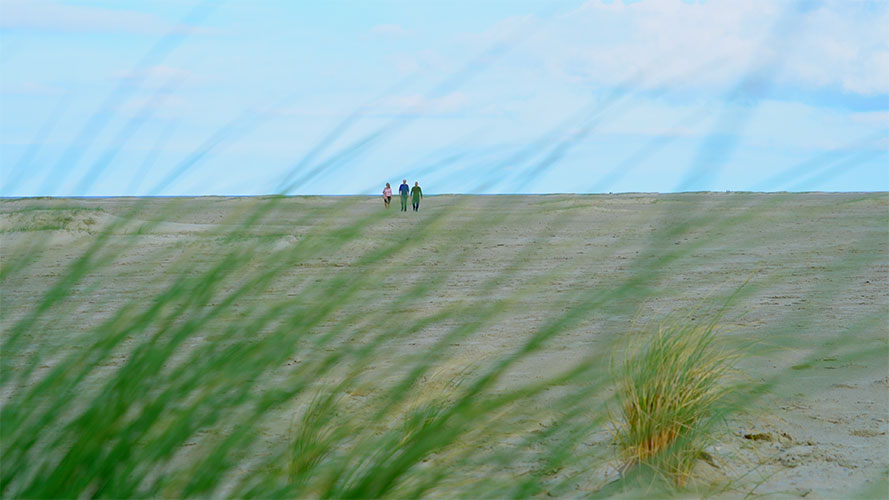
x=816, y=265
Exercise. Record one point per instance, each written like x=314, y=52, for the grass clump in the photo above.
x=669, y=392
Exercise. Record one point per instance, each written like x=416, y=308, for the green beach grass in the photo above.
x=669, y=388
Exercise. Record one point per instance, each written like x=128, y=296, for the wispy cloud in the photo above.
x=166, y=107
x=53, y=16
x=872, y=118
x=390, y=30
x=31, y=89
x=160, y=75
x=841, y=46
x=418, y=105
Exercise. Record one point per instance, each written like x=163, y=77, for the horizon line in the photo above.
x=620, y=193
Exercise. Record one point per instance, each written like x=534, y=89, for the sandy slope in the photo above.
x=816, y=265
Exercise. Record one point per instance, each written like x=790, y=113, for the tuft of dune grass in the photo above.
x=669, y=390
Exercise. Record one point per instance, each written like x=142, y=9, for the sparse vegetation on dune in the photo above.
x=52, y=219
x=668, y=391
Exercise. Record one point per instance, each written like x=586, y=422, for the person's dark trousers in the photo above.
x=403, y=203
x=416, y=205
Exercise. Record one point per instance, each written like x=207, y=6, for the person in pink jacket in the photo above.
x=387, y=195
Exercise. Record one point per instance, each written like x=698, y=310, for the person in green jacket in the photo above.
x=416, y=194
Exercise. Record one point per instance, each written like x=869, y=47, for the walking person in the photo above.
x=416, y=194
x=387, y=195
x=403, y=190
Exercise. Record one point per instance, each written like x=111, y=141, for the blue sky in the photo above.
x=172, y=97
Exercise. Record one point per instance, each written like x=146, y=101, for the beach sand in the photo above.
x=814, y=317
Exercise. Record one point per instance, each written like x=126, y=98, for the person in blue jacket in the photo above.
x=404, y=190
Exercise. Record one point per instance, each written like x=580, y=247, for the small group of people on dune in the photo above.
x=416, y=193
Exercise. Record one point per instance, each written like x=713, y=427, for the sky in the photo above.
x=178, y=97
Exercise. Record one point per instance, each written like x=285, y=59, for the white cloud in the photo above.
x=843, y=44
x=714, y=45
x=691, y=45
